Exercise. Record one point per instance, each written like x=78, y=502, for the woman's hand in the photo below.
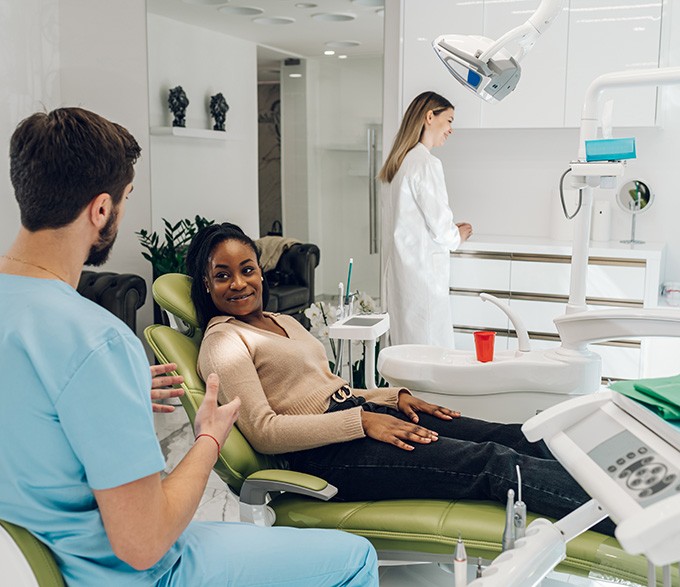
x=409, y=404
x=391, y=430
x=465, y=230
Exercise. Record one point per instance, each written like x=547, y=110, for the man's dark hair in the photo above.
x=60, y=160
x=198, y=255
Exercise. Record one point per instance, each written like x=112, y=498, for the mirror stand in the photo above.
x=634, y=208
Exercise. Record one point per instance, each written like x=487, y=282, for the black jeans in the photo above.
x=472, y=459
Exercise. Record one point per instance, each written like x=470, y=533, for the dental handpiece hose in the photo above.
x=520, y=510
x=460, y=564
x=508, y=540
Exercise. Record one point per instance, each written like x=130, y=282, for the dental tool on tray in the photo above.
x=460, y=564
x=515, y=516
x=520, y=510
x=349, y=279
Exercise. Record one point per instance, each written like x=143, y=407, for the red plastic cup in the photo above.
x=484, y=342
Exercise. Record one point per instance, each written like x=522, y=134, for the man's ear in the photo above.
x=100, y=209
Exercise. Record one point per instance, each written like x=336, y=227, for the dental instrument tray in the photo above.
x=360, y=327
x=610, y=149
x=627, y=459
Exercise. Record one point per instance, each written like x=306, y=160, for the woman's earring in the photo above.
x=207, y=290
x=261, y=277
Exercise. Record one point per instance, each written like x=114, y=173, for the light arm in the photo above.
x=483, y=65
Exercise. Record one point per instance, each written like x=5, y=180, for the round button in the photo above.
x=623, y=474
x=631, y=455
x=657, y=469
x=642, y=450
x=611, y=468
x=646, y=493
x=669, y=479
x=620, y=461
x=635, y=482
x=647, y=460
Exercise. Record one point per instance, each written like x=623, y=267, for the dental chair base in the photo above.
x=511, y=388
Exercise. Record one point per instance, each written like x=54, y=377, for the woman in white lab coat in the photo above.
x=418, y=231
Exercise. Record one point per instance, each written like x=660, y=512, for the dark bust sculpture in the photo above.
x=178, y=102
x=218, y=110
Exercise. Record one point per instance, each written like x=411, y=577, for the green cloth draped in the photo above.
x=660, y=394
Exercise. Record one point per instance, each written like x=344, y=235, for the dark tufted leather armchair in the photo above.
x=291, y=283
x=122, y=294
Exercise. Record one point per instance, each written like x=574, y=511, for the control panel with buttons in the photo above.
x=636, y=468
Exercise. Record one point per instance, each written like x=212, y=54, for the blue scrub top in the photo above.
x=75, y=415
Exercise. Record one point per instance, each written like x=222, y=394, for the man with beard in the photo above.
x=80, y=465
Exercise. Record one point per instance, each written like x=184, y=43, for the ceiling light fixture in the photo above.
x=273, y=20
x=294, y=75
x=205, y=2
x=342, y=56
x=329, y=52
x=370, y=3
x=240, y=10
x=333, y=17
x=305, y=5
x=342, y=44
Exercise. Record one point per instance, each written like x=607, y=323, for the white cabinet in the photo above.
x=533, y=278
x=589, y=38
x=607, y=36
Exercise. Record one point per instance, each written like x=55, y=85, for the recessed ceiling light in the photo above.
x=240, y=10
x=294, y=75
x=342, y=56
x=273, y=20
x=206, y=2
x=305, y=5
x=342, y=44
x=333, y=16
x=372, y=3
x=329, y=52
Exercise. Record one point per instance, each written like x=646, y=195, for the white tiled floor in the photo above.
x=176, y=437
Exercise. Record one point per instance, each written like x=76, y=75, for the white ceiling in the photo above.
x=306, y=33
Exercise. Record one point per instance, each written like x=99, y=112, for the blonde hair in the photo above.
x=410, y=131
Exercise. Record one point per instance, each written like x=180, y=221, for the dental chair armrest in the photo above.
x=256, y=487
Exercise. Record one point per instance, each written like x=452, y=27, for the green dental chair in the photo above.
x=418, y=530
x=25, y=561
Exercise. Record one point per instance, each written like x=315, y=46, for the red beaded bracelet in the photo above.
x=215, y=439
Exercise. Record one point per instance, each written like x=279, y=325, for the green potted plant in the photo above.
x=169, y=255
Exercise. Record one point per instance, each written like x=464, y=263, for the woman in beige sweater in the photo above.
x=371, y=444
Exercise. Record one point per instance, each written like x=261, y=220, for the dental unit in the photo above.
x=521, y=382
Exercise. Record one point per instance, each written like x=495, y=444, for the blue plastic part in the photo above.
x=473, y=78
x=610, y=149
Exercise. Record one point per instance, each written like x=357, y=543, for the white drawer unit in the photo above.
x=533, y=276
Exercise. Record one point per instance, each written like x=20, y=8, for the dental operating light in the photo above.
x=486, y=67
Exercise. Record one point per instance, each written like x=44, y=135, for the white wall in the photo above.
x=215, y=179
x=103, y=68
x=29, y=81
x=347, y=99
x=501, y=180
x=89, y=53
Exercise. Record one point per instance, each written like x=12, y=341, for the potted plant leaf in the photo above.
x=168, y=254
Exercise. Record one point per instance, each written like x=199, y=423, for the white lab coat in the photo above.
x=418, y=233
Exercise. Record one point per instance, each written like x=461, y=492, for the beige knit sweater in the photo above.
x=284, y=384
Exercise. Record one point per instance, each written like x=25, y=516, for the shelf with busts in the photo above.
x=192, y=133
